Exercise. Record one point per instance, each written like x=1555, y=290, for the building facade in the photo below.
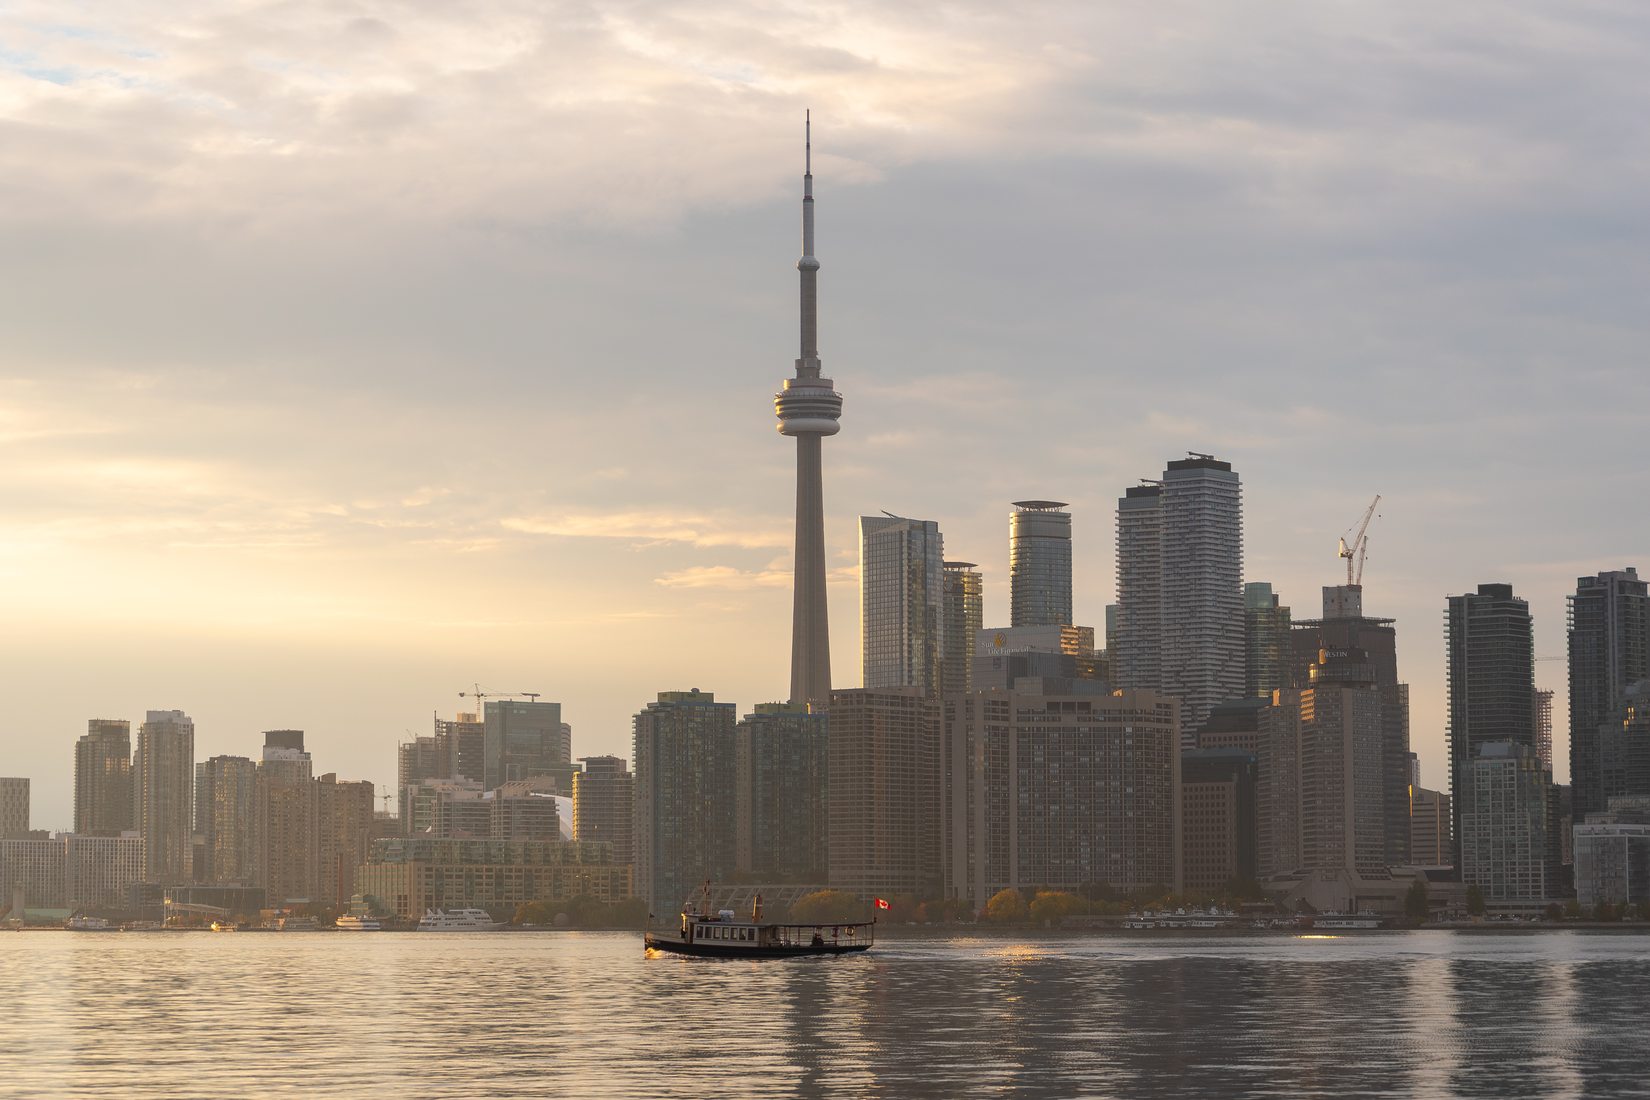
x=902, y=602
x=345, y=828
x=604, y=806
x=1609, y=651
x=964, y=618
x=163, y=777
x=1506, y=835
x=1219, y=838
x=1491, y=681
x=783, y=776
x=1266, y=641
x=99, y=871
x=881, y=792
x=14, y=808
x=411, y=875
x=103, y=779
x=1040, y=787
x=1039, y=563
x=226, y=803
x=524, y=739
x=684, y=747
x=1429, y=825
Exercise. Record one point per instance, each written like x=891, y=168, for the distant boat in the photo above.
x=224, y=926
x=457, y=920
x=89, y=924
x=720, y=935
x=354, y=922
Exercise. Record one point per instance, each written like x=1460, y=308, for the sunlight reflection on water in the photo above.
x=589, y=1015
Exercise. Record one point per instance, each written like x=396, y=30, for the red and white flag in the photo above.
x=883, y=904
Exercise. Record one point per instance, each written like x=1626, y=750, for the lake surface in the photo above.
x=1539, y=1014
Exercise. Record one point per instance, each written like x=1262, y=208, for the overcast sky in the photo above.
x=354, y=353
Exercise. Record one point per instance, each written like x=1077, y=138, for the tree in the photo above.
x=1553, y=912
x=827, y=907
x=1475, y=900
x=1006, y=907
x=1049, y=907
x=1572, y=910
x=1604, y=911
x=1415, y=902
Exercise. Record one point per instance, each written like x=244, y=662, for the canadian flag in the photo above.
x=883, y=904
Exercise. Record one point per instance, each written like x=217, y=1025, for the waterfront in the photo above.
x=1506, y=1014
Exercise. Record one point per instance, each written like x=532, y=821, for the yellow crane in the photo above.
x=1359, y=546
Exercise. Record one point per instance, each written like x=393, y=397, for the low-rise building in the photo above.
x=414, y=874
x=1217, y=818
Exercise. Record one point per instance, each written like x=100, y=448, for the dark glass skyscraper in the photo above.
x=964, y=619
x=103, y=778
x=902, y=602
x=1609, y=644
x=686, y=795
x=1491, y=673
x=524, y=740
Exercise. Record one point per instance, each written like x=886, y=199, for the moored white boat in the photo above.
x=355, y=922
x=457, y=920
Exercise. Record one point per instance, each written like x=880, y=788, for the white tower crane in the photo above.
x=1359, y=546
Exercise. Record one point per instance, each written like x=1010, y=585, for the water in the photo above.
x=1540, y=1014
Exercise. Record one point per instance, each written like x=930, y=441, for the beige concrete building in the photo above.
x=344, y=819
x=604, y=805
x=227, y=819
x=1040, y=788
x=1429, y=819
x=163, y=776
x=36, y=868
x=103, y=779
x=883, y=793
x=414, y=874
x=99, y=870
x=14, y=808
x=287, y=820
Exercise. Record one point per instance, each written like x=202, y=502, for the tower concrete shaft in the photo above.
x=808, y=408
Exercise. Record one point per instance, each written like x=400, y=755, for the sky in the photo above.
x=355, y=354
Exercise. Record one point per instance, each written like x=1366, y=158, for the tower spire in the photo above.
x=808, y=410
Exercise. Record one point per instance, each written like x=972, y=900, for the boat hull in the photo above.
x=716, y=950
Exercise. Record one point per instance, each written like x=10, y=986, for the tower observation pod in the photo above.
x=808, y=409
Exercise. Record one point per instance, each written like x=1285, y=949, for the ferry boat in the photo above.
x=457, y=920
x=722, y=935
x=80, y=923
x=355, y=922
x=1362, y=921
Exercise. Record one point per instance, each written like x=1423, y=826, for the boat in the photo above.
x=79, y=923
x=224, y=926
x=1362, y=921
x=722, y=935
x=355, y=922
x=457, y=920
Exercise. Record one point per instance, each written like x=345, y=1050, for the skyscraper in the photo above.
x=782, y=767
x=902, y=602
x=1543, y=703
x=883, y=798
x=1039, y=564
x=1609, y=644
x=103, y=778
x=344, y=814
x=604, y=805
x=524, y=740
x=226, y=810
x=1266, y=641
x=808, y=409
x=964, y=617
x=1491, y=671
x=686, y=795
x=1506, y=837
x=287, y=819
x=14, y=808
x=163, y=774
x=1180, y=587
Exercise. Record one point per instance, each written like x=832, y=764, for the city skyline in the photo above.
x=376, y=459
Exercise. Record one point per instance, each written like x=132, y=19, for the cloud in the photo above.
x=650, y=528
x=724, y=576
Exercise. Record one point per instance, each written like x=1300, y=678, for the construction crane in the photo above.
x=481, y=697
x=1359, y=546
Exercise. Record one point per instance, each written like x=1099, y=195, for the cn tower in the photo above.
x=808, y=409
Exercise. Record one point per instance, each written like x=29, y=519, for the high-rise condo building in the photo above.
x=1322, y=809
x=1542, y=701
x=103, y=778
x=526, y=740
x=1345, y=627
x=1507, y=840
x=1489, y=637
x=344, y=814
x=288, y=821
x=32, y=873
x=783, y=779
x=1609, y=644
x=902, y=602
x=1218, y=837
x=1429, y=840
x=964, y=618
x=604, y=805
x=1043, y=787
x=461, y=747
x=1266, y=641
x=1180, y=587
x=163, y=777
x=99, y=870
x=808, y=409
x=1039, y=563
x=883, y=802
x=686, y=795
x=226, y=809
x=14, y=808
